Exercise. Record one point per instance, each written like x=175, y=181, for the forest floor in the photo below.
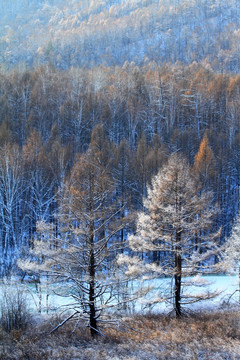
x=203, y=335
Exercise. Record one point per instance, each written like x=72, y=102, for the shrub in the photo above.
x=14, y=308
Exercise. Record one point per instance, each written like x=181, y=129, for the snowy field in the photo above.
x=226, y=285
x=205, y=335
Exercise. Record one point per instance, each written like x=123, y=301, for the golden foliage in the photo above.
x=204, y=159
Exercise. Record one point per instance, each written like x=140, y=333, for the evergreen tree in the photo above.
x=174, y=213
x=81, y=255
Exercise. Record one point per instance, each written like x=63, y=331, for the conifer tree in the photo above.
x=81, y=254
x=174, y=212
x=204, y=161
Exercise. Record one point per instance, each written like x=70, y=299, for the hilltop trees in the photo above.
x=175, y=224
x=112, y=32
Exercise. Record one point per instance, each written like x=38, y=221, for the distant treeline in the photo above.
x=88, y=33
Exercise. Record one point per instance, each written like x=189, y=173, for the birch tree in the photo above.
x=11, y=216
x=175, y=215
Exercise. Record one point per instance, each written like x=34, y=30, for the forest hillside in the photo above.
x=119, y=167
x=88, y=33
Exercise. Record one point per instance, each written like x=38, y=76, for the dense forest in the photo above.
x=129, y=119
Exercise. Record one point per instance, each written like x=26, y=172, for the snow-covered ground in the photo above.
x=226, y=285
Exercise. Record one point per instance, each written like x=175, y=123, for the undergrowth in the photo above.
x=150, y=337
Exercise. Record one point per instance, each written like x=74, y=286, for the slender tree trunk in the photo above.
x=239, y=283
x=122, y=217
x=178, y=276
x=47, y=294
x=92, y=306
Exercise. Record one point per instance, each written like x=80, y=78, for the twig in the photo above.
x=227, y=302
x=63, y=322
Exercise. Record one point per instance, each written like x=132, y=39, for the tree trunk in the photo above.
x=239, y=283
x=178, y=275
x=92, y=307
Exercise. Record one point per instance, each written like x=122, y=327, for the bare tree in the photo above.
x=11, y=191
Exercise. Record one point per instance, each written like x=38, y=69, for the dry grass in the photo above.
x=151, y=337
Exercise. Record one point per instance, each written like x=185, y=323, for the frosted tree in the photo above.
x=79, y=254
x=176, y=223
